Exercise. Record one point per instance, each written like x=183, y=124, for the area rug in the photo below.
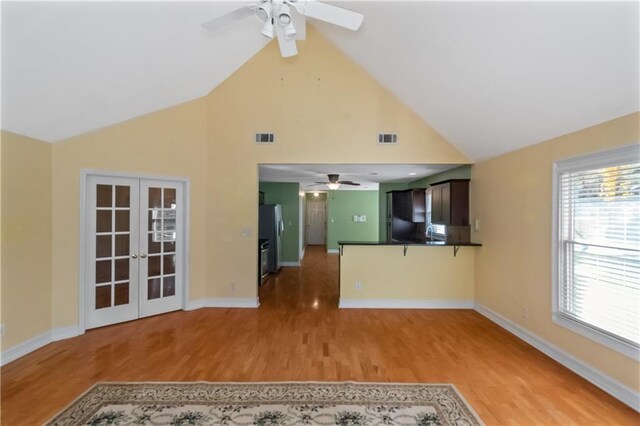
x=280, y=403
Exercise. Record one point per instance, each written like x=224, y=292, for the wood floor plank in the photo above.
x=298, y=334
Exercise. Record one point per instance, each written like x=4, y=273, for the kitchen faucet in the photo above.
x=430, y=228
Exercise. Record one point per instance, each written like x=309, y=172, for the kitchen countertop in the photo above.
x=406, y=243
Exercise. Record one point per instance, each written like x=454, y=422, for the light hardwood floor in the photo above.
x=298, y=334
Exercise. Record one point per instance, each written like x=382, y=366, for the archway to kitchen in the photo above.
x=351, y=213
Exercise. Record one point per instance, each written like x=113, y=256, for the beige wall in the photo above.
x=323, y=108
x=511, y=196
x=425, y=273
x=170, y=142
x=26, y=238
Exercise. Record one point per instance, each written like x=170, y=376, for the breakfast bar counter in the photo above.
x=409, y=275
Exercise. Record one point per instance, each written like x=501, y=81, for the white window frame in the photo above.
x=609, y=158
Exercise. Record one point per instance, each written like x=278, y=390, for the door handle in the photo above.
x=134, y=256
x=143, y=255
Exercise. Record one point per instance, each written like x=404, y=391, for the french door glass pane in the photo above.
x=161, y=240
x=103, y=246
x=122, y=220
x=122, y=269
x=121, y=294
x=153, y=289
x=169, y=198
x=103, y=296
x=169, y=286
x=123, y=197
x=103, y=271
x=122, y=245
x=103, y=195
x=155, y=197
x=154, y=266
x=103, y=221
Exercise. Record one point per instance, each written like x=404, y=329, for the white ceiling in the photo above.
x=491, y=77
x=369, y=176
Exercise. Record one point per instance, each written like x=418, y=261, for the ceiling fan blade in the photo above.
x=348, y=182
x=287, y=45
x=228, y=18
x=332, y=14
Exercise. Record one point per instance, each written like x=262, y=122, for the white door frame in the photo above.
x=84, y=174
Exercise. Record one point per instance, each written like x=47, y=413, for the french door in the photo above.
x=135, y=248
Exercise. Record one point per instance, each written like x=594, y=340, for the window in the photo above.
x=597, y=247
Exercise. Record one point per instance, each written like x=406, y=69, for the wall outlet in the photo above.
x=358, y=285
x=524, y=312
x=476, y=225
x=232, y=287
x=246, y=232
x=2, y=330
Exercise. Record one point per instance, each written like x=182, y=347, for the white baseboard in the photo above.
x=404, y=304
x=224, y=302
x=333, y=251
x=37, y=342
x=290, y=263
x=64, y=333
x=605, y=382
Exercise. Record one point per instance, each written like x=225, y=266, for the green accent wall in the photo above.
x=462, y=172
x=341, y=207
x=286, y=194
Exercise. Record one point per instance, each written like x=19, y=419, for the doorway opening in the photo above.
x=316, y=219
x=134, y=243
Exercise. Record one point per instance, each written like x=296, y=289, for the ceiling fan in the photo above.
x=334, y=183
x=276, y=16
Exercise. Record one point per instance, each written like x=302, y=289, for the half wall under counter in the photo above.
x=407, y=275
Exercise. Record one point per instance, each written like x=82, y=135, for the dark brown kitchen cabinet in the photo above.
x=450, y=202
x=409, y=205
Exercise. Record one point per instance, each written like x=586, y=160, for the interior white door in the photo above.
x=135, y=240
x=316, y=222
x=161, y=247
x=111, y=273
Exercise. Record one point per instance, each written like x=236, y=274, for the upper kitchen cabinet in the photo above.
x=450, y=202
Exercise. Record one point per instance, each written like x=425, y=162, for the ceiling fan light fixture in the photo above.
x=333, y=185
x=284, y=15
x=267, y=29
x=263, y=12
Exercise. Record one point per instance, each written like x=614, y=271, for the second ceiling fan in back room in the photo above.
x=277, y=19
x=334, y=183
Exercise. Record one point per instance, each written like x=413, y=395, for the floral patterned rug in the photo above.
x=271, y=404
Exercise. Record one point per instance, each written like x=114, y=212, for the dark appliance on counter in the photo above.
x=263, y=260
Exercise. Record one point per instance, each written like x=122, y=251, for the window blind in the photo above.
x=599, y=249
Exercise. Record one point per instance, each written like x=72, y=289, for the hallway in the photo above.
x=298, y=334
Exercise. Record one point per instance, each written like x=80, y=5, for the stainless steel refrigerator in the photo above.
x=271, y=226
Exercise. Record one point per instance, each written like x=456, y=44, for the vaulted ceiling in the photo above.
x=491, y=77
